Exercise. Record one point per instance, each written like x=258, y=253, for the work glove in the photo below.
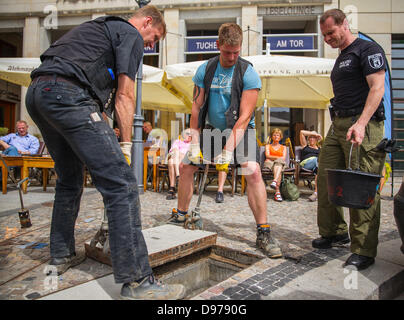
x=195, y=154
x=126, y=148
x=223, y=160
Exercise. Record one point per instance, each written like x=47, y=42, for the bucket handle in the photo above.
x=350, y=155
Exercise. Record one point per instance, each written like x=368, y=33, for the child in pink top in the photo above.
x=177, y=152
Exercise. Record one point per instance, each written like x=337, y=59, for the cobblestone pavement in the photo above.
x=24, y=253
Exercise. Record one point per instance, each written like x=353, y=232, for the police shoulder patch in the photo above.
x=376, y=60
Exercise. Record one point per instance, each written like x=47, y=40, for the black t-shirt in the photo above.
x=127, y=44
x=360, y=59
x=308, y=152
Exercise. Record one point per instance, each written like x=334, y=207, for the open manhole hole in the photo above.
x=204, y=269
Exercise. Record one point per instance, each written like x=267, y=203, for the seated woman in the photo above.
x=177, y=152
x=275, y=154
x=309, y=141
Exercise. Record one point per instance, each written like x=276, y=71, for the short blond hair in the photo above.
x=277, y=130
x=158, y=18
x=230, y=34
x=22, y=121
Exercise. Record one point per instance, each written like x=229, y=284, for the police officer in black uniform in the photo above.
x=357, y=117
x=90, y=70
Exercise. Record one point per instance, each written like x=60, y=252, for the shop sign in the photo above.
x=291, y=11
x=290, y=43
x=201, y=45
x=148, y=50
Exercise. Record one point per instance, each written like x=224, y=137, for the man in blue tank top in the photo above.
x=231, y=88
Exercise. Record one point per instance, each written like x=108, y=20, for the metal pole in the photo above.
x=137, y=142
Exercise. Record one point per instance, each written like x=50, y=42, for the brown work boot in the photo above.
x=177, y=218
x=267, y=243
x=60, y=265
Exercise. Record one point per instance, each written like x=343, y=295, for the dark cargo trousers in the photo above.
x=364, y=223
x=76, y=135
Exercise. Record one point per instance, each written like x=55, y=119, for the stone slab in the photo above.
x=103, y=288
x=383, y=280
x=165, y=243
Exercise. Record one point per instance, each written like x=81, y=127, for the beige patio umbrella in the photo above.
x=287, y=81
x=154, y=95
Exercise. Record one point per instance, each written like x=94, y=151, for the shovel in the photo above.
x=25, y=220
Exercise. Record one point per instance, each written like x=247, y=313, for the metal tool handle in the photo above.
x=20, y=192
x=202, y=186
x=350, y=155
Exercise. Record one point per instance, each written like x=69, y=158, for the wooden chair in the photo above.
x=301, y=173
x=213, y=174
x=37, y=173
x=40, y=150
x=162, y=177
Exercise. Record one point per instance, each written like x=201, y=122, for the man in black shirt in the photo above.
x=86, y=72
x=357, y=113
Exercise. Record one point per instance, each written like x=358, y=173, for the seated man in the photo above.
x=275, y=155
x=16, y=144
x=177, y=152
x=156, y=139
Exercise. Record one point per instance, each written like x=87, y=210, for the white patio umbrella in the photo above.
x=287, y=81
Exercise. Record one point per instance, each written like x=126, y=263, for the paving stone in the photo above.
x=254, y=296
x=230, y=291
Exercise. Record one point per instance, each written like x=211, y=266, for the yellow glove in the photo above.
x=223, y=161
x=126, y=148
x=195, y=154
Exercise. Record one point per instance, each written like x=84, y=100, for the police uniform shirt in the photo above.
x=126, y=43
x=360, y=59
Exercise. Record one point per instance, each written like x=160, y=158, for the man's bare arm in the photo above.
x=247, y=106
x=197, y=102
x=125, y=106
x=356, y=133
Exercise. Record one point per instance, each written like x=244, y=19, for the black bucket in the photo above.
x=352, y=188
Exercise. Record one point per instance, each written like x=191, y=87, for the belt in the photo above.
x=343, y=113
x=53, y=77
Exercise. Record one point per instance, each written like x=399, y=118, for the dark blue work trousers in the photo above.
x=76, y=136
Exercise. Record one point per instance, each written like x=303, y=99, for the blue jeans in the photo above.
x=76, y=136
x=311, y=164
x=11, y=151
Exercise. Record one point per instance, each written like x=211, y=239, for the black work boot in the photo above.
x=327, y=242
x=359, y=262
x=219, y=197
x=171, y=194
x=151, y=289
x=60, y=265
x=267, y=243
